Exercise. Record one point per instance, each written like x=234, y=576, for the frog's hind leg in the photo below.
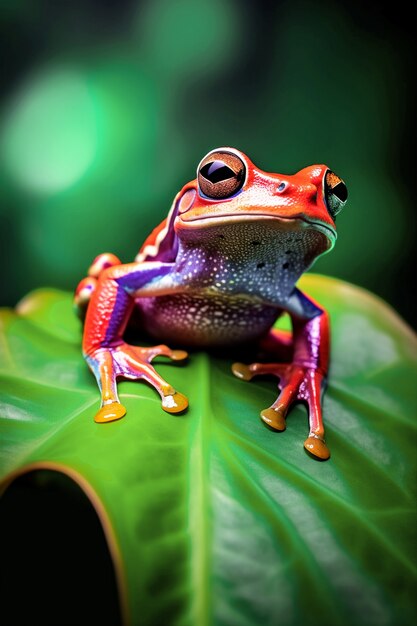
x=277, y=343
x=134, y=363
x=87, y=285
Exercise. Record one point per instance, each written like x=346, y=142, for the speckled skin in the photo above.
x=234, y=284
x=219, y=271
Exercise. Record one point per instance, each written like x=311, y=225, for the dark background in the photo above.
x=107, y=108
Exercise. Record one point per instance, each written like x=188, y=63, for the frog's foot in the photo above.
x=110, y=412
x=83, y=294
x=296, y=382
x=132, y=362
x=87, y=286
x=102, y=262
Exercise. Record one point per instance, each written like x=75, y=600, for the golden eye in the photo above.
x=221, y=175
x=335, y=193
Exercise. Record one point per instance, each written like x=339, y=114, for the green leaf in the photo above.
x=211, y=518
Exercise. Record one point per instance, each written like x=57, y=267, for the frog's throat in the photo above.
x=282, y=223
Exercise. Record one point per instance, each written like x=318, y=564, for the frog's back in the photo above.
x=162, y=244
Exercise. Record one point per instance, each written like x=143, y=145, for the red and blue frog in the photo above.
x=218, y=272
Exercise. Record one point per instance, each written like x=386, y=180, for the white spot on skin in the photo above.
x=168, y=402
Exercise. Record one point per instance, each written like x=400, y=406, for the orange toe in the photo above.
x=317, y=448
x=110, y=413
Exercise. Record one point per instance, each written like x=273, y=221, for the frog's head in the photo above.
x=230, y=190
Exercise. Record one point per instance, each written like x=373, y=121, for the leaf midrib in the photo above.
x=199, y=501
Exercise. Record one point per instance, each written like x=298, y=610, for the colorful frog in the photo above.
x=219, y=271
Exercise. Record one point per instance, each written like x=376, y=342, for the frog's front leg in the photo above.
x=304, y=378
x=107, y=355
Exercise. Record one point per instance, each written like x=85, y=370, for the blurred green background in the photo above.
x=107, y=107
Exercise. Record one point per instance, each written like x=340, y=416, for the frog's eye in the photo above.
x=221, y=175
x=335, y=193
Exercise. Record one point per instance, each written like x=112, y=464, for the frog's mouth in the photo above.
x=296, y=223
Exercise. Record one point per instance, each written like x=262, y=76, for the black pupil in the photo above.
x=217, y=171
x=340, y=191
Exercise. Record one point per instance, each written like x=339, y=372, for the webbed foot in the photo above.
x=132, y=362
x=296, y=382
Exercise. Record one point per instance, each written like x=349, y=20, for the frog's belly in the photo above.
x=197, y=320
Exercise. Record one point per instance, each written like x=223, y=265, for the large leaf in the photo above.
x=212, y=518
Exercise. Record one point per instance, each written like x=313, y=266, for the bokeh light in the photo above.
x=49, y=135
x=108, y=108
x=186, y=37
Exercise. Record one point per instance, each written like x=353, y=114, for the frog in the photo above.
x=217, y=274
